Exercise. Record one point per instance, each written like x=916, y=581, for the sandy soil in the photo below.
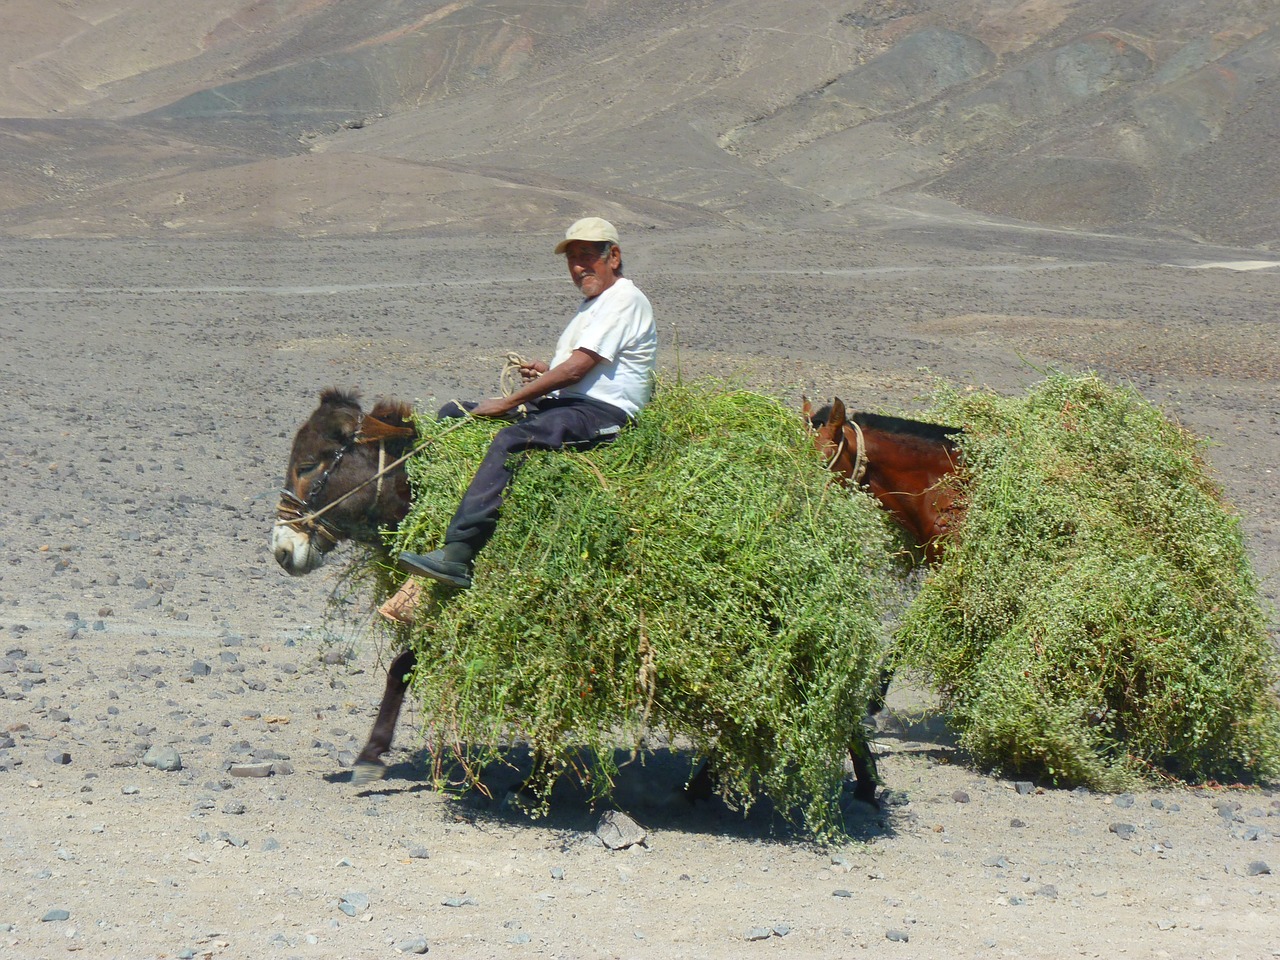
x=149, y=396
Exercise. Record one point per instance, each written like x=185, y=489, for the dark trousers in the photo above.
x=573, y=423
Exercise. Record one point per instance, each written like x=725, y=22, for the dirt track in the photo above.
x=150, y=392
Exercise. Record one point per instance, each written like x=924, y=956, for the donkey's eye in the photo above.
x=305, y=468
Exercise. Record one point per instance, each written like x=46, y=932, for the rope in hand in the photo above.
x=510, y=380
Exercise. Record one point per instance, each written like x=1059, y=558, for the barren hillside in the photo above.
x=310, y=117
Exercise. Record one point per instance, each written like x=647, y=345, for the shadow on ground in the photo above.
x=650, y=790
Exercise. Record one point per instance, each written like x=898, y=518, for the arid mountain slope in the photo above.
x=130, y=117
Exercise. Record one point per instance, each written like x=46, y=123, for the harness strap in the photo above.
x=860, y=451
x=860, y=461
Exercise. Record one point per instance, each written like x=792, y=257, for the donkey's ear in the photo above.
x=375, y=429
x=837, y=417
x=394, y=413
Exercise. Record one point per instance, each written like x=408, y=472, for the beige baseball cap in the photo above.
x=591, y=229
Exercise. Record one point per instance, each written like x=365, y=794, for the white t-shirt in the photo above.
x=618, y=326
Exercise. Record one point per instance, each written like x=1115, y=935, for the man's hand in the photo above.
x=493, y=407
x=533, y=370
x=544, y=380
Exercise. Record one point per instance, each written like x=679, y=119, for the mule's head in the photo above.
x=333, y=467
x=904, y=464
x=831, y=437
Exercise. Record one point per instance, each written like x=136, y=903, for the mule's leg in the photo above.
x=864, y=771
x=369, y=766
x=702, y=785
x=882, y=691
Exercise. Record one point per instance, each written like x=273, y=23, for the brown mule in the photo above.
x=903, y=463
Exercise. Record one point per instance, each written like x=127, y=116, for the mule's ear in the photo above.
x=829, y=429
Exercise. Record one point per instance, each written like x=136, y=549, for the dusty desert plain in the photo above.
x=149, y=395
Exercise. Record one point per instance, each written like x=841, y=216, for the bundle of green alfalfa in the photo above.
x=1095, y=619
x=700, y=576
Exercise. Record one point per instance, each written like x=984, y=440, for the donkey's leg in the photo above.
x=864, y=771
x=369, y=766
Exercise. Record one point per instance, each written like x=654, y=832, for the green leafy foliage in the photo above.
x=701, y=576
x=1096, y=619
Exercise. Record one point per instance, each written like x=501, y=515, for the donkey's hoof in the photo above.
x=366, y=772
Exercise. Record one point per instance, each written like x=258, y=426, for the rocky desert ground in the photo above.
x=208, y=217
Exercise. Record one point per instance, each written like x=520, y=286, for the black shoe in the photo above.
x=437, y=567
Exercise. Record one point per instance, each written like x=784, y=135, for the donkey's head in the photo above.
x=334, y=487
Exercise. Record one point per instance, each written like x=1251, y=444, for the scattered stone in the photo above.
x=759, y=933
x=898, y=936
x=162, y=758
x=1025, y=787
x=520, y=939
x=56, y=914
x=618, y=831
x=781, y=929
x=557, y=873
x=415, y=945
x=353, y=904
x=234, y=807
x=1123, y=830
x=1124, y=801
x=458, y=902
x=130, y=791
x=419, y=853
x=200, y=669
x=1016, y=823
x=841, y=893
x=250, y=770
x=1048, y=891
x=59, y=757
x=1257, y=868
x=960, y=796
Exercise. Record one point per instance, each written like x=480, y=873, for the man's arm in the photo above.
x=565, y=374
